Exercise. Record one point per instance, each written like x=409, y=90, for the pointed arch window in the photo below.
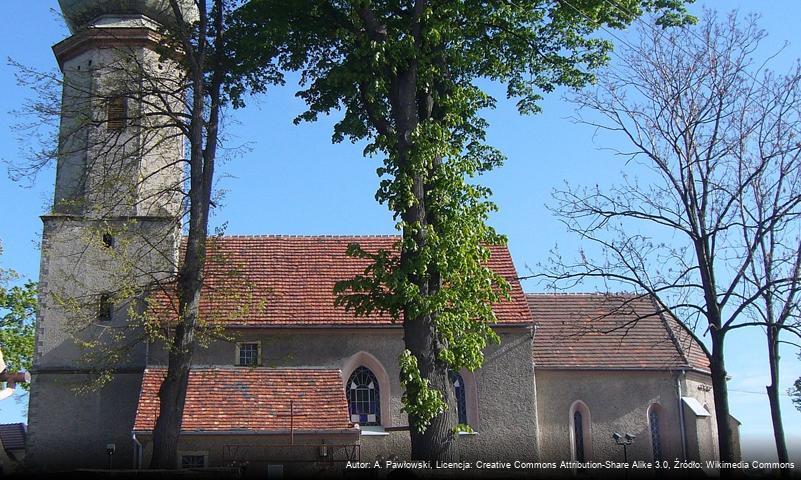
x=656, y=434
x=580, y=434
x=461, y=400
x=364, y=397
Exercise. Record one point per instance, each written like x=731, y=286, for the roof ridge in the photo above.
x=581, y=294
x=693, y=338
x=670, y=332
x=240, y=367
x=280, y=236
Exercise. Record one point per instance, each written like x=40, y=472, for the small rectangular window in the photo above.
x=108, y=240
x=275, y=471
x=105, y=308
x=193, y=461
x=248, y=354
x=117, y=113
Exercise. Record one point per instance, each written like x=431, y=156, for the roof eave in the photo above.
x=239, y=432
x=337, y=326
x=628, y=369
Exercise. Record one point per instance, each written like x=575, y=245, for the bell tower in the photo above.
x=112, y=233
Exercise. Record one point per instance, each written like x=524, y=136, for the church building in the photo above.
x=293, y=383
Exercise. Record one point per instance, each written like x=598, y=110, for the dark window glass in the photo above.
x=578, y=435
x=105, y=308
x=108, y=240
x=193, y=461
x=249, y=354
x=656, y=443
x=364, y=397
x=461, y=401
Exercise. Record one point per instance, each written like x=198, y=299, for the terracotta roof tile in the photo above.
x=599, y=331
x=256, y=399
x=289, y=281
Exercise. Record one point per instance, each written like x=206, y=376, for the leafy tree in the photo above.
x=17, y=310
x=716, y=137
x=403, y=74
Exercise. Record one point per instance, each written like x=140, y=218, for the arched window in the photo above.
x=364, y=400
x=656, y=434
x=461, y=401
x=580, y=431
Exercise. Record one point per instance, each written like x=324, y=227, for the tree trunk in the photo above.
x=168, y=425
x=721, y=395
x=420, y=336
x=436, y=442
x=421, y=339
x=172, y=393
x=773, y=399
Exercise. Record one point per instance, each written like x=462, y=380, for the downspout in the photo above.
x=137, y=460
x=681, y=373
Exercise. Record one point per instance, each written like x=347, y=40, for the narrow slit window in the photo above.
x=656, y=436
x=105, y=308
x=580, y=432
x=578, y=435
x=117, y=113
x=461, y=400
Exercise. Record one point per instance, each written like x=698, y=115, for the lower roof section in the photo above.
x=611, y=332
x=238, y=399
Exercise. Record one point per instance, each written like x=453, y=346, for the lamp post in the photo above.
x=624, y=441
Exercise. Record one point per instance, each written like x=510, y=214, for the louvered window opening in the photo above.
x=117, y=113
x=364, y=397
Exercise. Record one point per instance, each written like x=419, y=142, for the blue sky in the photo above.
x=292, y=180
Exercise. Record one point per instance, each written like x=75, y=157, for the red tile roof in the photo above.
x=289, y=281
x=599, y=331
x=254, y=399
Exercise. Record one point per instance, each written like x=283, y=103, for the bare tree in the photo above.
x=138, y=141
x=772, y=277
x=203, y=48
x=711, y=228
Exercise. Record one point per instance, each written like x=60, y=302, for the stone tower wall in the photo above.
x=112, y=237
